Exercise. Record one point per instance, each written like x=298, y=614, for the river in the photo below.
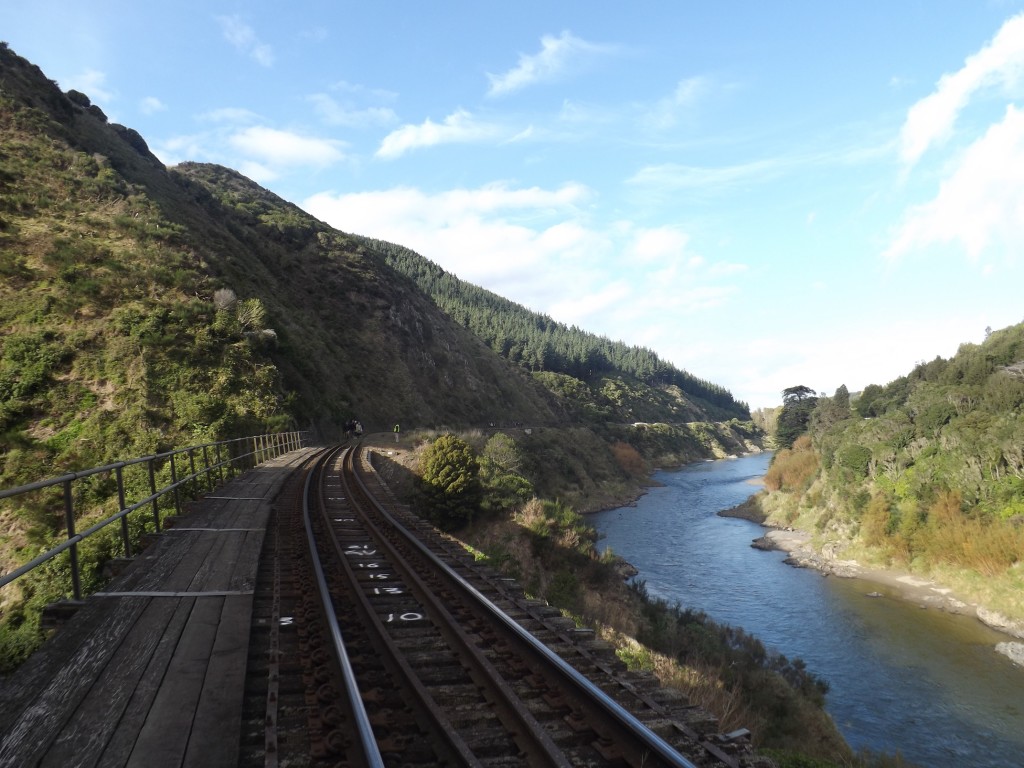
x=923, y=682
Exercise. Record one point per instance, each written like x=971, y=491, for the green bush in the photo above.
x=855, y=458
x=450, y=480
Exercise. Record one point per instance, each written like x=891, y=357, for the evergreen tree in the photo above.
x=797, y=404
x=538, y=343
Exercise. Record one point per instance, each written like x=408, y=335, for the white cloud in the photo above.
x=980, y=206
x=524, y=243
x=261, y=153
x=258, y=172
x=664, y=114
x=243, y=38
x=658, y=245
x=539, y=248
x=92, y=83
x=759, y=367
x=178, y=149
x=283, y=148
x=458, y=128
x=576, y=113
x=151, y=105
x=230, y=115
x=930, y=121
x=674, y=176
x=603, y=300
x=445, y=210
x=336, y=113
x=362, y=91
x=556, y=56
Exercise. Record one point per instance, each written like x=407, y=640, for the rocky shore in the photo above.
x=924, y=592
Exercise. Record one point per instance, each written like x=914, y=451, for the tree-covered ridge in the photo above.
x=954, y=425
x=929, y=468
x=538, y=343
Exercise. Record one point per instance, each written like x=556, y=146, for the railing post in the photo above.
x=69, y=519
x=206, y=469
x=192, y=471
x=174, y=482
x=125, y=536
x=152, y=490
x=220, y=468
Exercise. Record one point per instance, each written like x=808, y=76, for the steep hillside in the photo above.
x=142, y=307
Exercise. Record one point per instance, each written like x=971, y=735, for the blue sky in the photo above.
x=765, y=194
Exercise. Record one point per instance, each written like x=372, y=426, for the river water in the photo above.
x=923, y=682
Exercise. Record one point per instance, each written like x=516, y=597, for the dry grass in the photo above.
x=791, y=470
x=702, y=687
x=531, y=516
x=629, y=459
x=988, y=546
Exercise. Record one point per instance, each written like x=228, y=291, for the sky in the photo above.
x=765, y=194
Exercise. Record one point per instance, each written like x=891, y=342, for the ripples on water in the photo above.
x=924, y=682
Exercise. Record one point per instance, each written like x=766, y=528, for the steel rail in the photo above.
x=644, y=736
x=530, y=737
x=455, y=744
x=364, y=730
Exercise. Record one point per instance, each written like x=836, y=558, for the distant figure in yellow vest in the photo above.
x=397, y=430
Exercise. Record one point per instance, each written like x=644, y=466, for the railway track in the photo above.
x=377, y=642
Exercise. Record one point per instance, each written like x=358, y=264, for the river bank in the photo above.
x=925, y=592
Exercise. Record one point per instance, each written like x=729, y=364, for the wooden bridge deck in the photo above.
x=150, y=672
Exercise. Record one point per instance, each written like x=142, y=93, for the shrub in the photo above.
x=629, y=459
x=856, y=458
x=791, y=470
x=450, y=482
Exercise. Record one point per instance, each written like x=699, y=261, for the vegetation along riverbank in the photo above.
x=919, y=483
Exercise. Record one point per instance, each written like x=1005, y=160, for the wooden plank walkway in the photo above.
x=150, y=672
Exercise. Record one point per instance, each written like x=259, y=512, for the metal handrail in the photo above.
x=248, y=452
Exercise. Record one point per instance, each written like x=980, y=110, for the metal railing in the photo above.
x=193, y=471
